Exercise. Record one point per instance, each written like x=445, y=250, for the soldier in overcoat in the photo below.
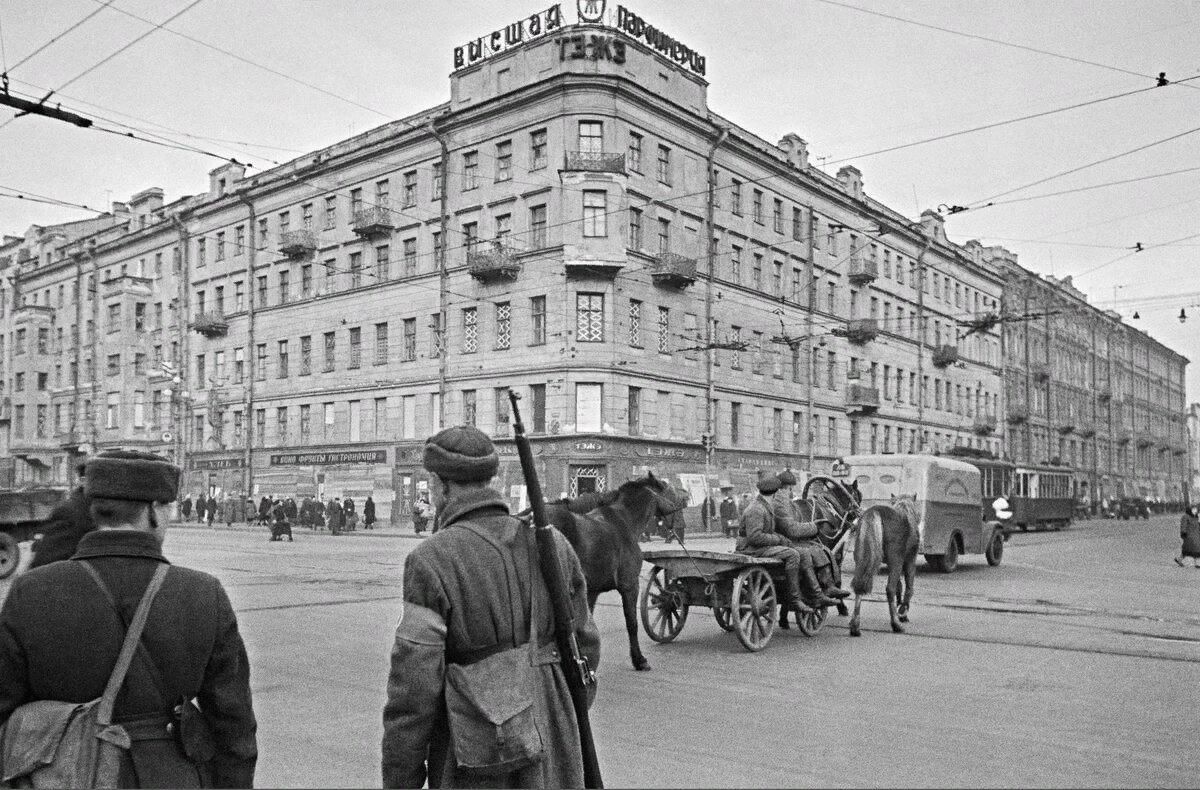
x=815, y=559
x=462, y=605
x=64, y=528
x=61, y=632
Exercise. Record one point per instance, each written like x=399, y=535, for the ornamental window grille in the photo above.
x=585, y=479
x=470, y=318
x=664, y=330
x=735, y=338
x=589, y=318
x=381, y=343
x=503, y=326
x=410, y=339
x=635, y=323
x=305, y=355
x=330, y=349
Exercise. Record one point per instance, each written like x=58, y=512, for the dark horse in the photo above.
x=886, y=533
x=604, y=530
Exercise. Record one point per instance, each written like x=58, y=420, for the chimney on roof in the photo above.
x=934, y=225
x=120, y=209
x=850, y=178
x=795, y=150
x=222, y=180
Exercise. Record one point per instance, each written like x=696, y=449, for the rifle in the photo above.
x=578, y=672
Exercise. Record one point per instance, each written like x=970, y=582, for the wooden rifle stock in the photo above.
x=579, y=674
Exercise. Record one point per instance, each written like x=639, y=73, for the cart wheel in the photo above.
x=810, y=624
x=721, y=612
x=664, y=607
x=754, y=608
x=10, y=555
x=995, y=548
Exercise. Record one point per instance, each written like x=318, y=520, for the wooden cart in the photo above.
x=740, y=590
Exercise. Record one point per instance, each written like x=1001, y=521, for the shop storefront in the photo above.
x=214, y=476
x=329, y=473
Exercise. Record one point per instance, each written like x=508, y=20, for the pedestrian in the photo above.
x=369, y=513
x=420, y=513
x=289, y=509
x=229, y=503
x=264, y=510
x=211, y=509
x=64, y=527
x=1189, y=531
x=728, y=511
x=473, y=598
x=335, y=515
x=185, y=508
x=63, y=626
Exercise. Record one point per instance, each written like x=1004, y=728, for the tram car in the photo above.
x=1039, y=497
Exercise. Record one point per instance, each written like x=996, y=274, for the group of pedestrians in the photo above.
x=338, y=515
x=459, y=711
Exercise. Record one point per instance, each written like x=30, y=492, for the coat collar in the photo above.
x=467, y=503
x=119, y=543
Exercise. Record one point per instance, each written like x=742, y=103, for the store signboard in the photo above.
x=330, y=458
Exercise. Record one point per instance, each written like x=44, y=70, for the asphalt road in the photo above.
x=1074, y=663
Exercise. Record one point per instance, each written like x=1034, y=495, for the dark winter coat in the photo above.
x=337, y=516
x=186, y=507
x=457, y=602
x=348, y=506
x=59, y=639
x=1189, y=530
x=758, y=526
x=369, y=511
x=64, y=528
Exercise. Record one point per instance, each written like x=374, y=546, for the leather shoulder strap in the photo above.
x=522, y=532
x=132, y=637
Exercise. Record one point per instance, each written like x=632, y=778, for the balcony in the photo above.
x=33, y=312
x=862, y=271
x=298, y=243
x=862, y=330
x=210, y=325
x=1065, y=425
x=944, y=356
x=127, y=284
x=672, y=270
x=861, y=399
x=1040, y=372
x=374, y=220
x=985, y=424
x=1123, y=435
x=1017, y=413
x=1104, y=393
x=497, y=263
x=594, y=162
x=1086, y=429
x=1144, y=440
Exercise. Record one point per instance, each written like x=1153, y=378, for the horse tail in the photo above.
x=868, y=551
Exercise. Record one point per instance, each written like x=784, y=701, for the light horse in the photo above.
x=886, y=533
x=604, y=530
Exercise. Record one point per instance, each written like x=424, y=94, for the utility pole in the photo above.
x=709, y=351
x=810, y=362
x=80, y=290
x=183, y=422
x=94, y=345
x=251, y=259
x=443, y=278
x=1002, y=406
x=1028, y=381
x=926, y=241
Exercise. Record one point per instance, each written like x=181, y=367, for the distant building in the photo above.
x=1193, y=434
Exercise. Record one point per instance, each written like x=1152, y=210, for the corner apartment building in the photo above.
x=548, y=229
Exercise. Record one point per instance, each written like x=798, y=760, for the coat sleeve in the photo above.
x=226, y=702
x=14, y=665
x=758, y=534
x=414, y=685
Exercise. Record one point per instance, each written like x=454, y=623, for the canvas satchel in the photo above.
x=67, y=744
x=489, y=702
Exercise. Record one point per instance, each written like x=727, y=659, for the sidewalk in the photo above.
x=379, y=532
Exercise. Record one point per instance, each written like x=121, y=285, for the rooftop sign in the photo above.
x=522, y=30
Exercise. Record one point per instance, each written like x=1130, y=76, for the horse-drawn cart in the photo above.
x=739, y=589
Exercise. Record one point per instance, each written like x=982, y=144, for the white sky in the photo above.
x=848, y=82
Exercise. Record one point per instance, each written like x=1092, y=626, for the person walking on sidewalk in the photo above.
x=1189, y=531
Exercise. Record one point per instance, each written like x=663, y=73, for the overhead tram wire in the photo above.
x=103, y=4
x=1131, y=253
x=33, y=197
x=1093, y=186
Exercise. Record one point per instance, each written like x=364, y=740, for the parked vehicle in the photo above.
x=1132, y=507
x=949, y=497
x=21, y=516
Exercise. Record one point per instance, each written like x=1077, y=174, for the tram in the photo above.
x=1039, y=497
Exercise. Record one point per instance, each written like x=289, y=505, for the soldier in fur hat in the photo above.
x=461, y=608
x=761, y=538
x=62, y=627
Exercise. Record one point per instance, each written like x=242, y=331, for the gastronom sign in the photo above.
x=328, y=458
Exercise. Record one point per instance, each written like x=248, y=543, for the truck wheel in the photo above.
x=995, y=548
x=10, y=555
x=948, y=562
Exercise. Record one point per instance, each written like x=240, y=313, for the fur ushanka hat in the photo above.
x=126, y=474
x=463, y=453
x=767, y=483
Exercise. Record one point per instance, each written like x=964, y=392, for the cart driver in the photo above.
x=760, y=539
x=816, y=564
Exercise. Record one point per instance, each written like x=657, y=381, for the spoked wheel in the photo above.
x=721, y=612
x=664, y=607
x=810, y=624
x=10, y=555
x=755, y=608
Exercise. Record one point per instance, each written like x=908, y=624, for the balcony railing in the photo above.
x=1144, y=440
x=862, y=330
x=673, y=270
x=985, y=424
x=496, y=263
x=862, y=270
x=210, y=324
x=377, y=220
x=861, y=399
x=1017, y=413
x=1086, y=429
x=298, y=243
x=1104, y=393
x=594, y=162
x=944, y=356
x=1066, y=425
x=1040, y=372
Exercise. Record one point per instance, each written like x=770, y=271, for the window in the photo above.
x=756, y=272
x=469, y=407
x=283, y=359
x=328, y=419
x=503, y=326
x=409, y=193
x=635, y=228
x=379, y=419
x=664, y=330
x=201, y=252
x=777, y=217
x=664, y=235
x=757, y=209
x=356, y=270
x=281, y=426
x=113, y=410
x=635, y=323
x=43, y=379
x=262, y=238
x=504, y=161
x=503, y=417
x=260, y=362
x=503, y=226
x=470, y=172
x=381, y=343
x=284, y=286
x=591, y=137
x=777, y=280
x=306, y=281
x=330, y=212
x=735, y=264
x=435, y=335
x=139, y=367
x=262, y=291
x=589, y=409
x=114, y=321
x=471, y=236
x=355, y=348
x=537, y=227
x=470, y=321
x=437, y=181
x=537, y=305
x=735, y=197
x=595, y=212
x=410, y=339
x=305, y=355
x=410, y=257
x=735, y=423
x=635, y=152
x=537, y=394
x=114, y=364
x=305, y=423
x=589, y=318
x=355, y=420
x=382, y=193
x=634, y=408
x=356, y=201
x=663, y=172
x=797, y=224
x=239, y=365
x=537, y=149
